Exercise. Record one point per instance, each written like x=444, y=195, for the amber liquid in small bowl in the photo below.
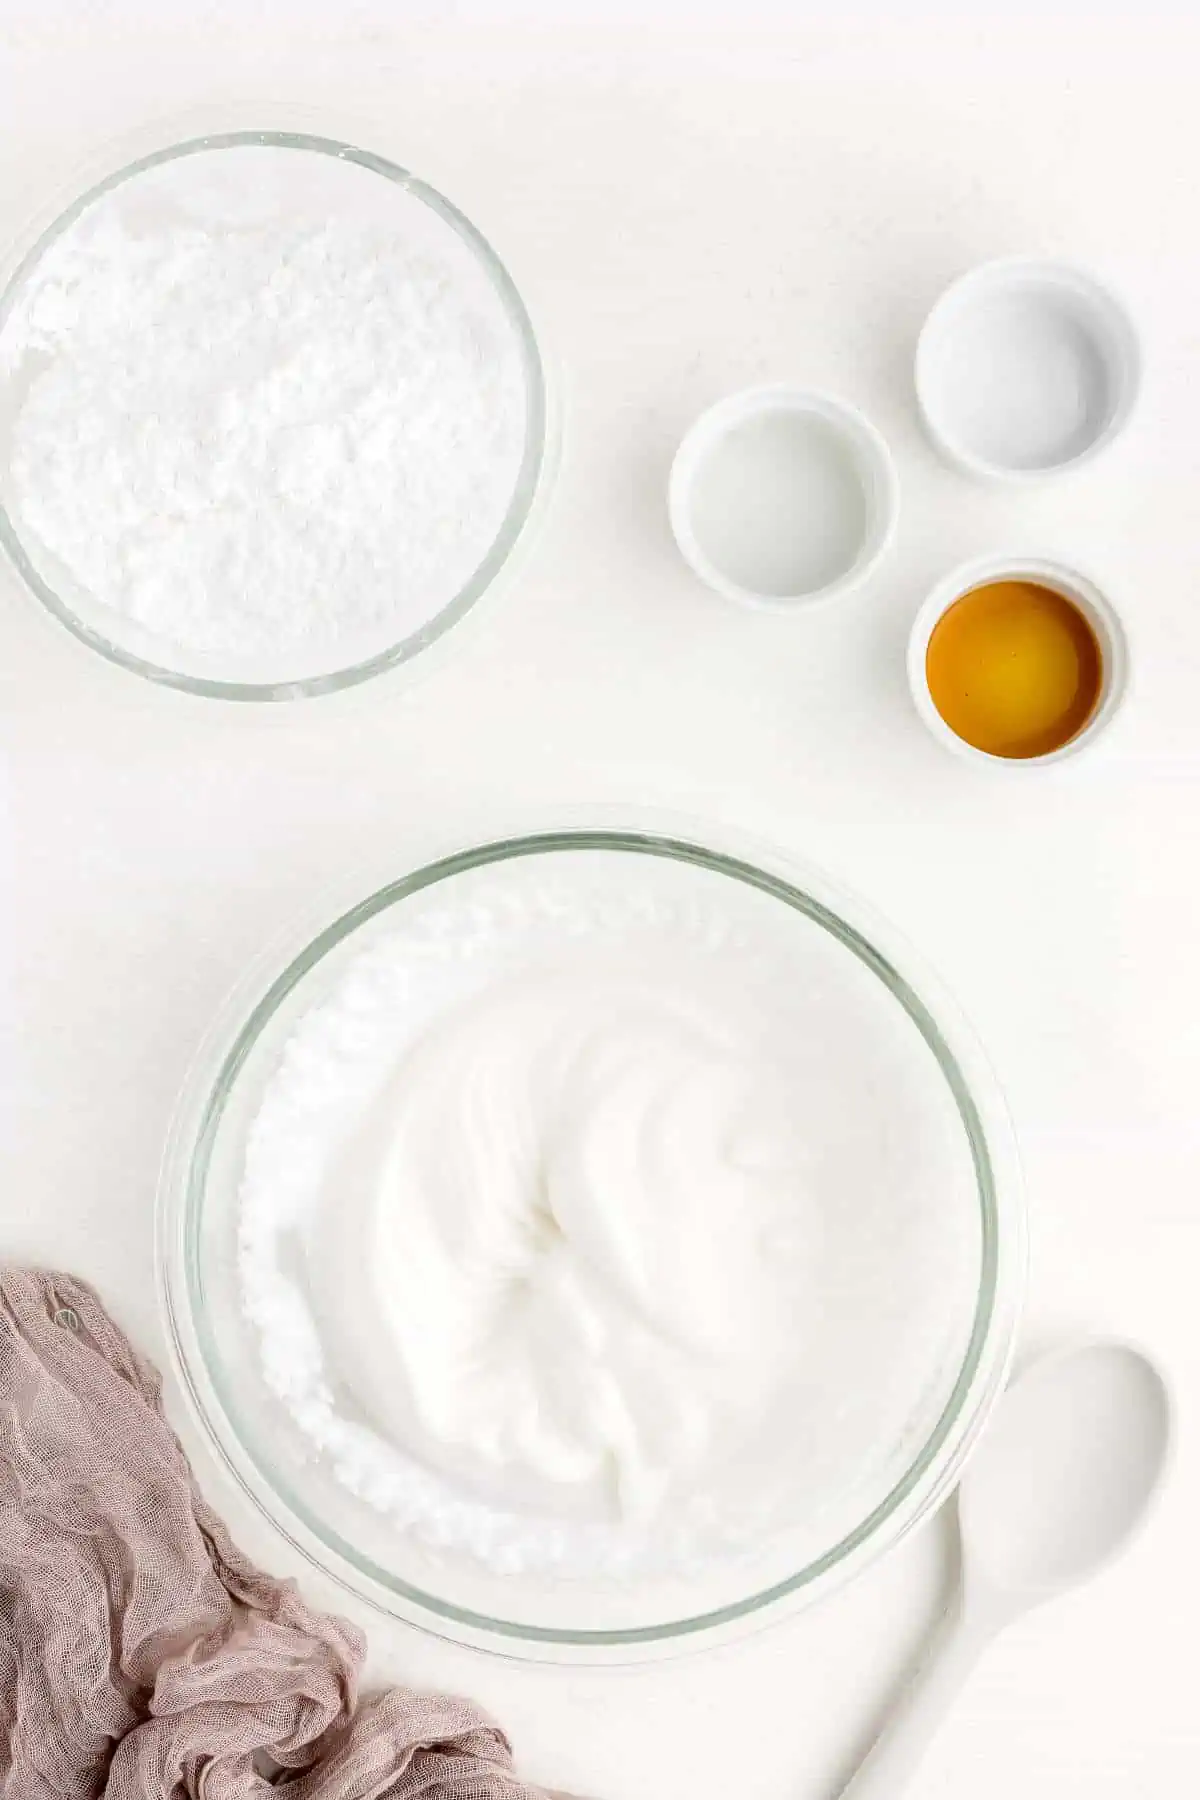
x=1015, y=669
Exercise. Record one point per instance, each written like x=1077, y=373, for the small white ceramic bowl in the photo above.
x=1025, y=369
x=1084, y=593
x=779, y=496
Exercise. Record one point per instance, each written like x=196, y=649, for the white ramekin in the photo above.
x=1082, y=591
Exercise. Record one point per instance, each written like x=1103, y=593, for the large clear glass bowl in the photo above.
x=216, y=1348
x=420, y=208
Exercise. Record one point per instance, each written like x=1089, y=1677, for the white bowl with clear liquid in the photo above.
x=780, y=496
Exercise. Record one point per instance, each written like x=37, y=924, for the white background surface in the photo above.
x=691, y=208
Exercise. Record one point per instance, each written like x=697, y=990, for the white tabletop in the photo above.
x=688, y=213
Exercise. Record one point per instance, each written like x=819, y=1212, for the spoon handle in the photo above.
x=920, y=1707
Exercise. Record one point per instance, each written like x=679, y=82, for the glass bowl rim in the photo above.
x=932, y=1472
x=530, y=475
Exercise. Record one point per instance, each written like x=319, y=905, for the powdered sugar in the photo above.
x=264, y=406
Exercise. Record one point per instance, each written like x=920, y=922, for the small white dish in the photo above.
x=779, y=496
x=1082, y=592
x=1026, y=368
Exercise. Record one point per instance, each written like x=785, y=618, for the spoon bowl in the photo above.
x=1065, y=1472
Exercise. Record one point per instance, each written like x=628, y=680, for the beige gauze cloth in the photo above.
x=141, y=1656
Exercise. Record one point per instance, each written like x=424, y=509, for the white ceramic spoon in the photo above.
x=1065, y=1473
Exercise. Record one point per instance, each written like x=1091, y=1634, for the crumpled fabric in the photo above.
x=141, y=1654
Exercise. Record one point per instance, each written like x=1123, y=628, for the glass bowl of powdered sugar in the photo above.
x=272, y=416
x=592, y=1242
